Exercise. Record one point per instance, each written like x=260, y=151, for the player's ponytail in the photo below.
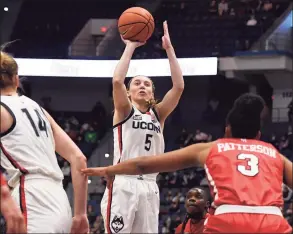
x=151, y=103
x=187, y=217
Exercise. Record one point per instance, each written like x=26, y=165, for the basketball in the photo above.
x=136, y=24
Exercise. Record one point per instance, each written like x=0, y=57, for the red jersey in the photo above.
x=192, y=227
x=245, y=172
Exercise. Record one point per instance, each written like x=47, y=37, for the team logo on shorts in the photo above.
x=117, y=223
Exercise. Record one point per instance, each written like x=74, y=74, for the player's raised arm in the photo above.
x=288, y=165
x=121, y=101
x=68, y=150
x=175, y=160
x=172, y=97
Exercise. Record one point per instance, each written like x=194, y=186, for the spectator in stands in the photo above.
x=232, y=12
x=91, y=215
x=98, y=226
x=290, y=111
x=200, y=137
x=287, y=193
x=252, y=21
x=213, y=9
x=289, y=214
x=267, y=5
x=66, y=173
x=180, y=141
x=47, y=105
x=223, y=7
x=196, y=205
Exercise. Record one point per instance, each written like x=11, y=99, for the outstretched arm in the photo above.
x=288, y=171
x=171, y=99
x=175, y=160
x=121, y=101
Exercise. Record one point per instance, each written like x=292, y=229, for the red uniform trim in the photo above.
x=22, y=200
x=110, y=189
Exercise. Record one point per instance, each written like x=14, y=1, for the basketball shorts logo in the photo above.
x=117, y=223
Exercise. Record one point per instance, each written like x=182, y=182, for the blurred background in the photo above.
x=252, y=40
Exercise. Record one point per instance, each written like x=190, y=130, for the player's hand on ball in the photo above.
x=80, y=225
x=166, y=41
x=135, y=44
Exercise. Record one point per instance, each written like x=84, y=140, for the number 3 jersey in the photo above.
x=28, y=147
x=140, y=134
x=245, y=172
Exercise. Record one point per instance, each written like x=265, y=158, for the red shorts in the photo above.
x=246, y=223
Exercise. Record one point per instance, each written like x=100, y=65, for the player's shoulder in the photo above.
x=178, y=228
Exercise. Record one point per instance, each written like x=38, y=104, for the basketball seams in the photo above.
x=137, y=14
x=131, y=24
x=140, y=30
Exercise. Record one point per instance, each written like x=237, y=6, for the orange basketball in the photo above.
x=136, y=24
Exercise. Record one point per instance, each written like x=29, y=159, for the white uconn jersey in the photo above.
x=28, y=146
x=140, y=134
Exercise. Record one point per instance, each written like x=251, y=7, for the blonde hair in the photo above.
x=8, y=69
x=150, y=103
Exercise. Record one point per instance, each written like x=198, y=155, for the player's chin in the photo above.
x=141, y=98
x=193, y=209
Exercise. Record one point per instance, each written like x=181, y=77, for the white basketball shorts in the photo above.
x=44, y=203
x=131, y=205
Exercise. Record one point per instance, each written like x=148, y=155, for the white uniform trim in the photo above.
x=224, y=209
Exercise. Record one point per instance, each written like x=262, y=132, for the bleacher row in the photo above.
x=46, y=28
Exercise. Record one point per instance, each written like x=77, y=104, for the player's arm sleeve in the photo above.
x=288, y=171
x=67, y=149
x=175, y=160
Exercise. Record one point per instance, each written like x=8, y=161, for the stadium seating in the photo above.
x=46, y=28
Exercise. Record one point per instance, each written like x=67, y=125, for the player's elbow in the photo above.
x=79, y=161
x=179, y=87
x=117, y=81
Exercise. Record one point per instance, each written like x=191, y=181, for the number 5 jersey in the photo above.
x=245, y=172
x=140, y=134
x=28, y=147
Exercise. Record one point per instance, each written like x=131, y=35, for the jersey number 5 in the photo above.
x=251, y=169
x=148, y=142
x=41, y=123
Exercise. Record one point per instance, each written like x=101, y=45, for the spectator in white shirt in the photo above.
x=223, y=7
x=252, y=21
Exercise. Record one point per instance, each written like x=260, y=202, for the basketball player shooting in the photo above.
x=131, y=203
x=29, y=138
x=10, y=210
x=245, y=174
